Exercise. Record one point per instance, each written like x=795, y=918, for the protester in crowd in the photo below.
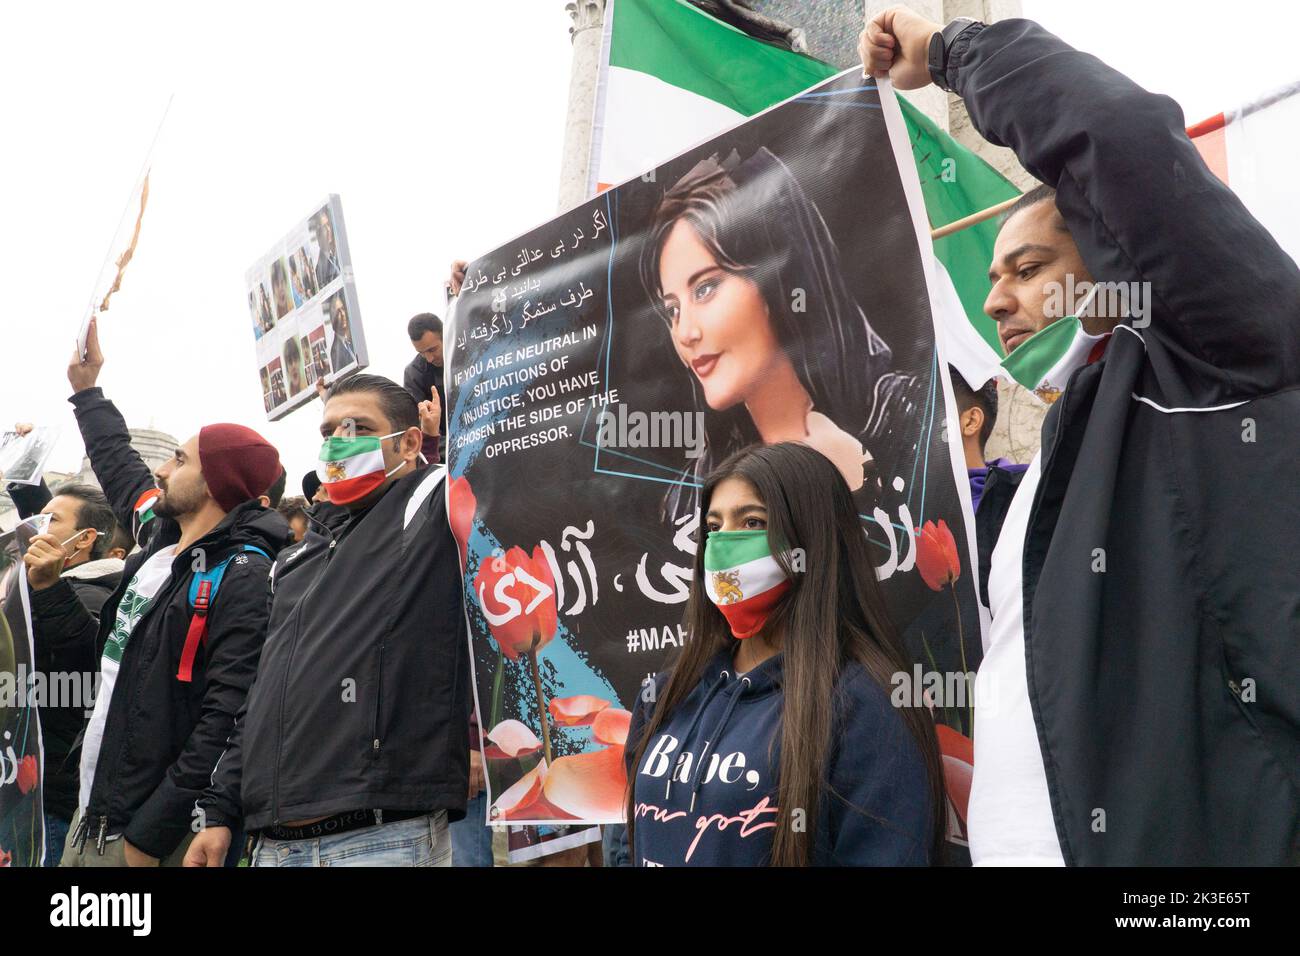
x=122, y=543
x=313, y=489
x=70, y=576
x=423, y=376
x=294, y=511
x=352, y=746
x=1143, y=588
x=777, y=710
x=992, y=483
x=149, y=751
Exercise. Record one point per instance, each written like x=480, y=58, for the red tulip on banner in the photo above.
x=936, y=555
x=27, y=774
x=461, y=506
x=939, y=564
x=516, y=593
x=506, y=603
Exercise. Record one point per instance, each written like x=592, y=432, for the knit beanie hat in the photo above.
x=237, y=462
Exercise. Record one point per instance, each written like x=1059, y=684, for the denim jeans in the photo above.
x=56, y=834
x=471, y=840
x=420, y=841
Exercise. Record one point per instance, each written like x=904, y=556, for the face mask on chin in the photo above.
x=1044, y=362
x=743, y=579
x=351, y=468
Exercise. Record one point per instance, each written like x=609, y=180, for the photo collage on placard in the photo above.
x=300, y=312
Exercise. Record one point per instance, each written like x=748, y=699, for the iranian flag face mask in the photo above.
x=743, y=579
x=351, y=468
x=1044, y=362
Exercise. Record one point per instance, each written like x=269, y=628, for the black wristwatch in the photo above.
x=942, y=45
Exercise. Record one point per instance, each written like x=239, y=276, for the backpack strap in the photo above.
x=203, y=591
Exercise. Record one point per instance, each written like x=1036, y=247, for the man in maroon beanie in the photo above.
x=182, y=634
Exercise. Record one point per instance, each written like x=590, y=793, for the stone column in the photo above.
x=585, y=32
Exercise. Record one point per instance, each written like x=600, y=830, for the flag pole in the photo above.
x=973, y=219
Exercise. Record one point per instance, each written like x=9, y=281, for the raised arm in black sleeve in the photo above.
x=1141, y=205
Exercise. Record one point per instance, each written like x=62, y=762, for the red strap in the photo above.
x=198, y=633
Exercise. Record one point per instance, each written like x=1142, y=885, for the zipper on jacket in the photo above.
x=288, y=667
x=379, y=703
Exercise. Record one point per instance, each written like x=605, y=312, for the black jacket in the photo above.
x=65, y=621
x=1164, y=687
x=362, y=696
x=163, y=736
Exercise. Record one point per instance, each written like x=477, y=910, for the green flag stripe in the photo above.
x=955, y=182
x=728, y=551
x=338, y=450
x=686, y=47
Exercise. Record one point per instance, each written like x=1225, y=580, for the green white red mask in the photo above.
x=743, y=579
x=1044, y=362
x=351, y=468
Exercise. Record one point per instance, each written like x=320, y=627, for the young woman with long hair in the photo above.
x=772, y=740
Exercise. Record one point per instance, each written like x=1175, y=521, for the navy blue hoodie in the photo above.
x=718, y=806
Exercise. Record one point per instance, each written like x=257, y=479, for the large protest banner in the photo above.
x=302, y=300
x=583, y=419
x=22, y=758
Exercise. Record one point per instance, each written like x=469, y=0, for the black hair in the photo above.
x=986, y=397
x=424, y=322
x=398, y=405
x=95, y=512
x=1039, y=194
x=290, y=508
x=122, y=539
x=310, y=485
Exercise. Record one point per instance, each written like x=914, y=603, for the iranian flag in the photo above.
x=1243, y=147
x=143, y=509
x=672, y=76
x=351, y=468
x=744, y=580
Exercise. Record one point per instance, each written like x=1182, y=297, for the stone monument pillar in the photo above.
x=585, y=32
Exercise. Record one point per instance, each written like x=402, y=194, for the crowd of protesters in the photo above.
x=287, y=680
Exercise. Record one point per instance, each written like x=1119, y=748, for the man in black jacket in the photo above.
x=422, y=378
x=69, y=578
x=351, y=748
x=174, y=669
x=1143, y=589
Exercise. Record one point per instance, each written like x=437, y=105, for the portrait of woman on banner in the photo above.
x=742, y=268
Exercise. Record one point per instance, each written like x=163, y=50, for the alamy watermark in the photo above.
x=1106, y=300
x=620, y=428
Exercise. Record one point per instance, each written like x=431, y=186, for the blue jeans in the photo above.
x=420, y=841
x=56, y=834
x=471, y=839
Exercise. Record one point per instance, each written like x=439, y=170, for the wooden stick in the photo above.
x=973, y=219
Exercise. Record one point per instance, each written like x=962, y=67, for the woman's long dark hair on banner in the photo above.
x=833, y=614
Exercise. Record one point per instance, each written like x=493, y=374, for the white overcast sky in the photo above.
x=440, y=124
